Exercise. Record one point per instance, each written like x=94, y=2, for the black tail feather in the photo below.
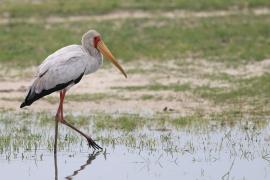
x=22, y=105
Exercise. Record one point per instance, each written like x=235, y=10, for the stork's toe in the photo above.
x=93, y=144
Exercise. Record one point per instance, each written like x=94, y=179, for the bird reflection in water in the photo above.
x=90, y=159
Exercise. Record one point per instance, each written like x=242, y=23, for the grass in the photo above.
x=233, y=39
x=147, y=97
x=156, y=87
x=243, y=89
x=81, y=97
x=85, y=7
x=126, y=123
x=87, y=97
x=183, y=121
x=24, y=133
x=248, y=94
x=35, y=131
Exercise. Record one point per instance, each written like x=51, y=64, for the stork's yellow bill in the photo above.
x=101, y=46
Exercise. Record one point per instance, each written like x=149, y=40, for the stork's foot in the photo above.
x=90, y=141
x=93, y=144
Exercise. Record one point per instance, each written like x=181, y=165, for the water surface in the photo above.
x=215, y=150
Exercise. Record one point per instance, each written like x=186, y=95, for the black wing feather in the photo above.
x=32, y=96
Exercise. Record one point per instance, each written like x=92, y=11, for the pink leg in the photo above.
x=57, y=118
x=60, y=117
x=62, y=101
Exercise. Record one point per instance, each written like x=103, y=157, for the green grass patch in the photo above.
x=125, y=123
x=156, y=87
x=249, y=95
x=87, y=97
x=233, y=39
x=84, y=97
x=147, y=97
x=243, y=90
x=183, y=121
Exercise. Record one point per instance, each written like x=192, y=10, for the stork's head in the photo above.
x=92, y=39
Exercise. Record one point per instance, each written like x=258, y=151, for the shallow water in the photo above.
x=213, y=151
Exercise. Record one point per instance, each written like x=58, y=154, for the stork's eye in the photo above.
x=96, y=40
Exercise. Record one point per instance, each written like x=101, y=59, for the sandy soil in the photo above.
x=13, y=87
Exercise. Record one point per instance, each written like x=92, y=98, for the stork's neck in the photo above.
x=95, y=60
x=92, y=52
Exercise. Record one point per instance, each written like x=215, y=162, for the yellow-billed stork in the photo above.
x=65, y=68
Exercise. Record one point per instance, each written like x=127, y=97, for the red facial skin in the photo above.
x=96, y=40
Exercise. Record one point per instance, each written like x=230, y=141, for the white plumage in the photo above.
x=65, y=65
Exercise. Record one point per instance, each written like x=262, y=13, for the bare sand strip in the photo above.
x=118, y=15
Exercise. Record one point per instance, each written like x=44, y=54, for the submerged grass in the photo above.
x=125, y=123
x=27, y=132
